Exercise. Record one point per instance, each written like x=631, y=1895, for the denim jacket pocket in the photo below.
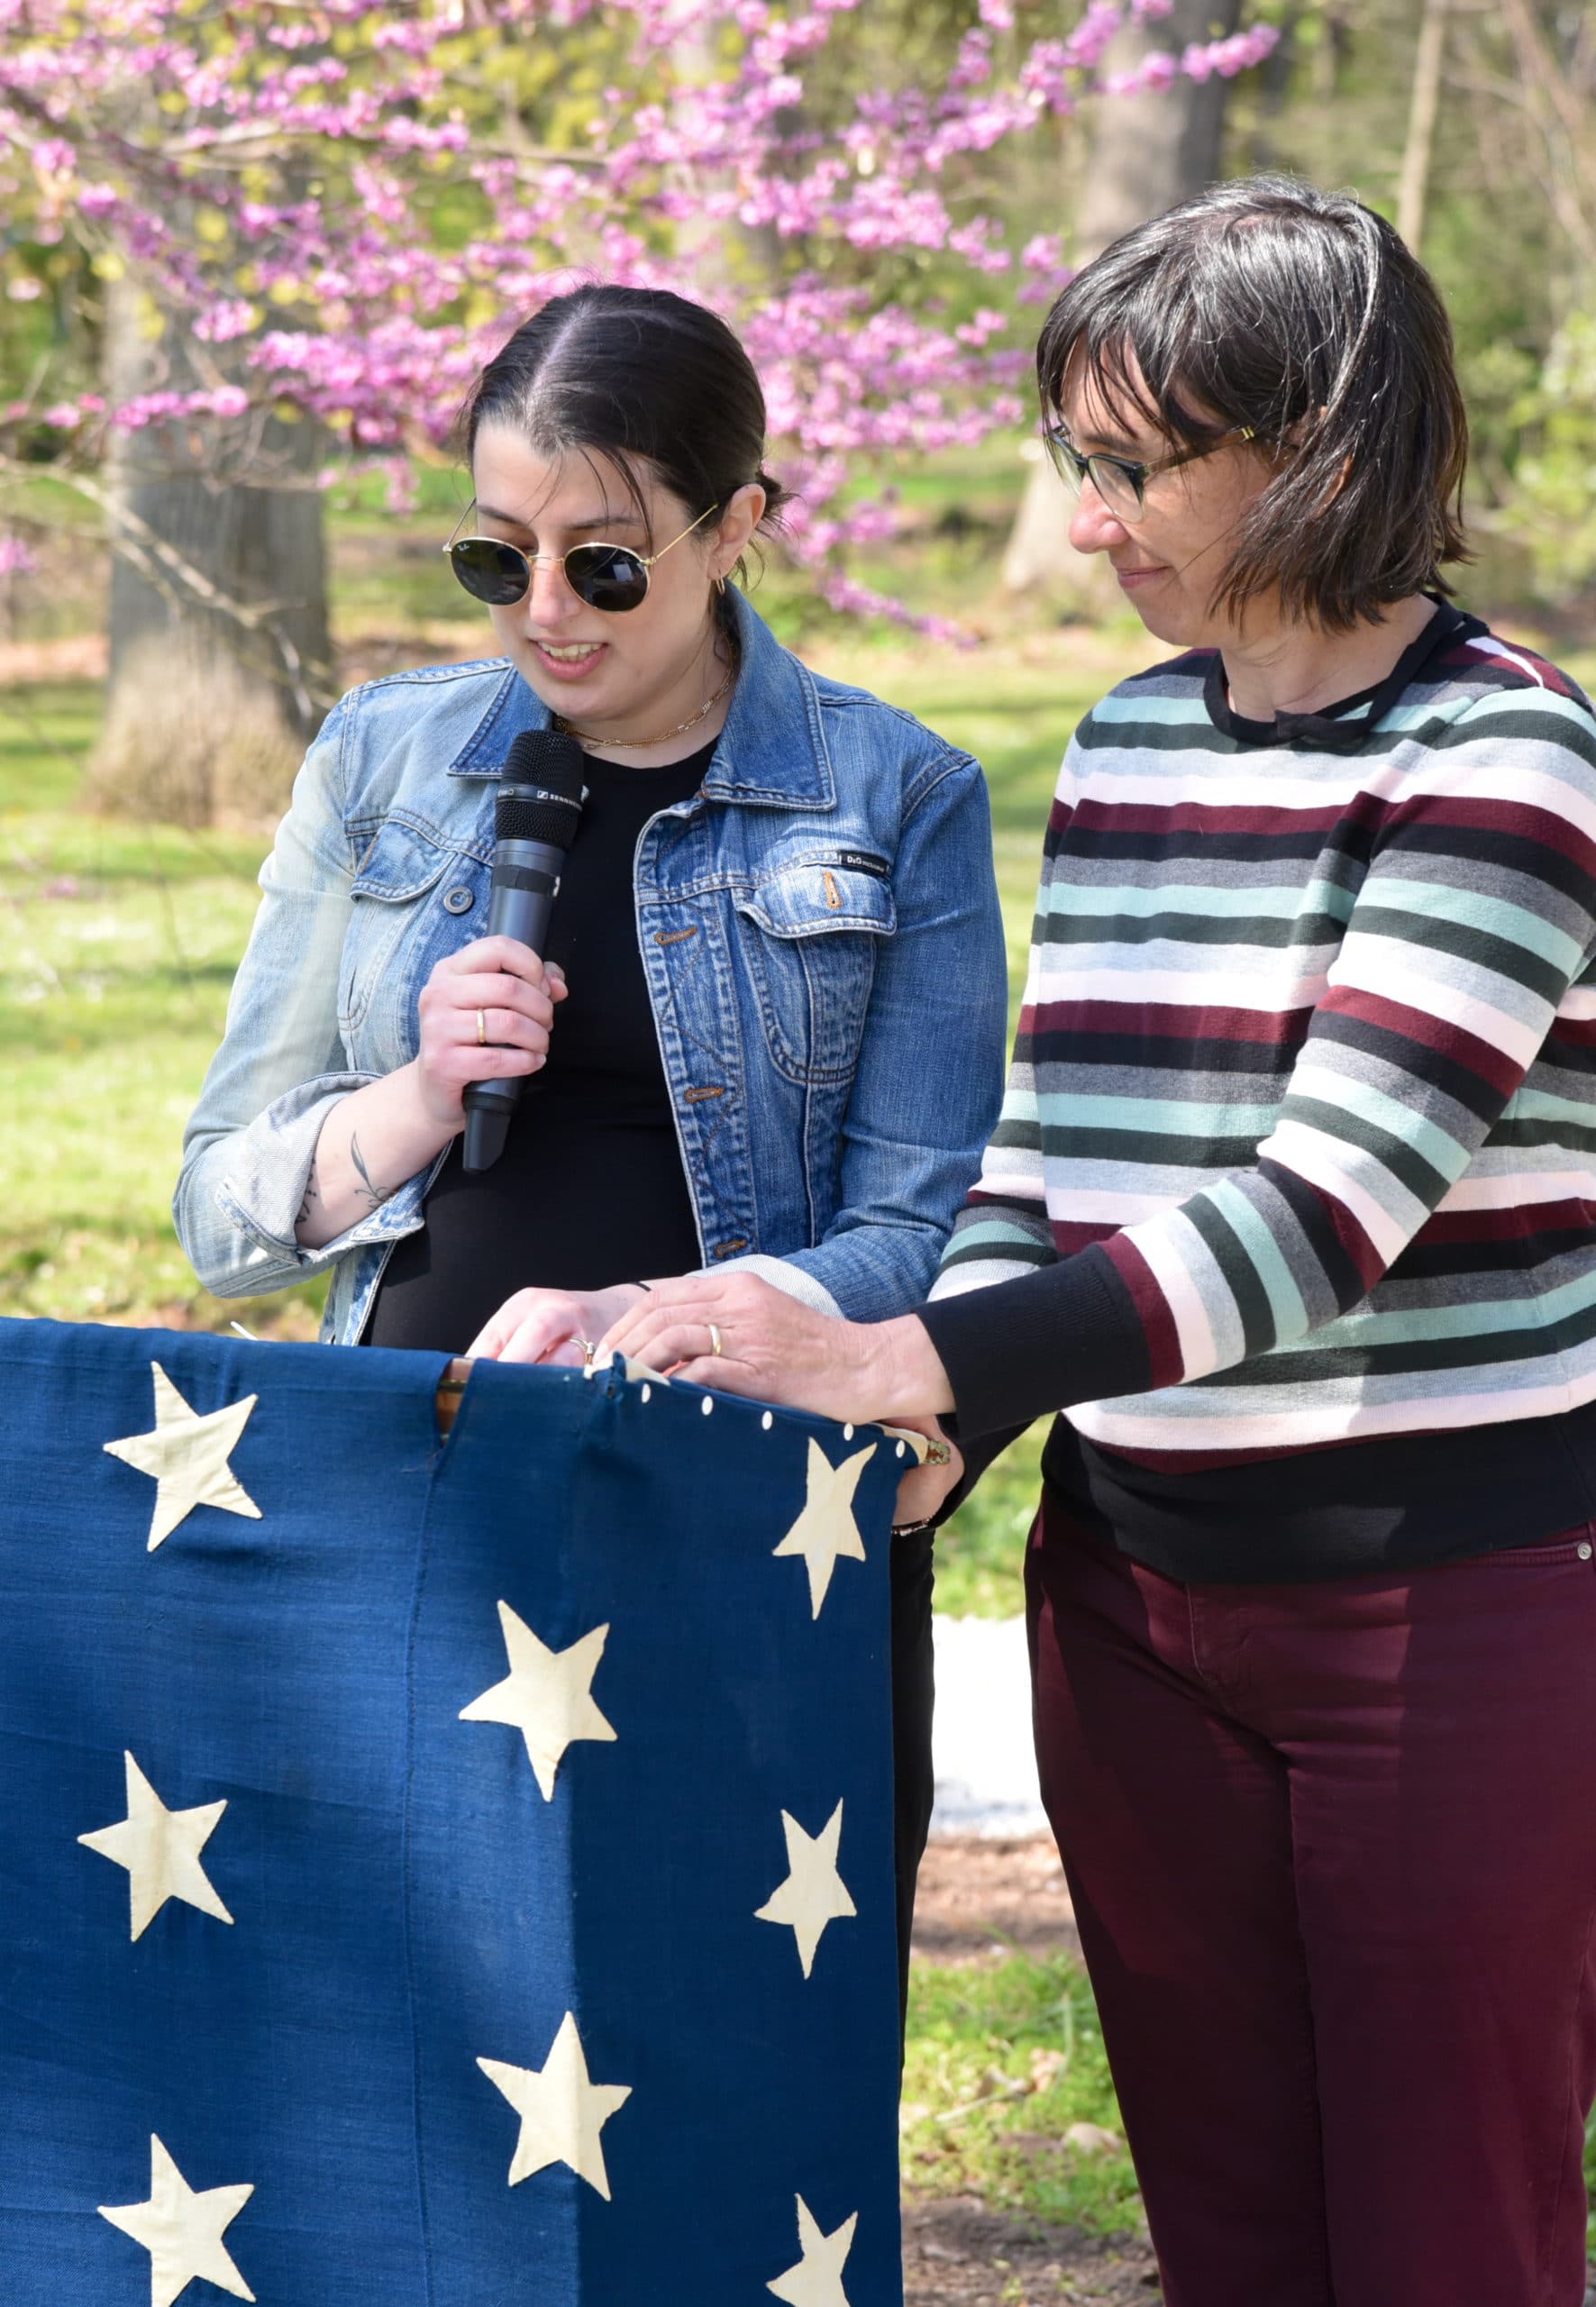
x=400, y=863
x=809, y=934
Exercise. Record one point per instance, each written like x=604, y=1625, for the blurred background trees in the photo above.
x=252, y=252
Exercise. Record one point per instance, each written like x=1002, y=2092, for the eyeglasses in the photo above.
x=1122, y=481
x=608, y=577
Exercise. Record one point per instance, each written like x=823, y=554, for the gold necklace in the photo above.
x=636, y=743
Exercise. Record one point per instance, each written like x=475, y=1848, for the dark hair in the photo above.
x=634, y=375
x=1302, y=314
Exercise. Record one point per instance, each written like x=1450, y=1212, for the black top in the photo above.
x=1395, y=1502
x=589, y=1189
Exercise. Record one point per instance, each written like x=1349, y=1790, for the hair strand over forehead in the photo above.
x=1263, y=304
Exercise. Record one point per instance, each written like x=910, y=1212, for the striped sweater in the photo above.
x=1298, y=1147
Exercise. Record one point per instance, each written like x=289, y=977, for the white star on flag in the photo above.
x=826, y=1530
x=188, y=1454
x=546, y=1695
x=160, y=1850
x=182, y=2231
x=817, y=2281
x=561, y=2111
x=814, y=1893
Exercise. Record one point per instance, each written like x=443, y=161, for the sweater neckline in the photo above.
x=1341, y=727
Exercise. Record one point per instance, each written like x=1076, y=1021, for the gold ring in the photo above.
x=481, y=1030
x=714, y=1338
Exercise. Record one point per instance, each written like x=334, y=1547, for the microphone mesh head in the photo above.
x=540, y=795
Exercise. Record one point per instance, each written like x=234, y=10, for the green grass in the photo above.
x=117, y=946
x=1005, y=2061
x=1005, y=2067
x=118, y=942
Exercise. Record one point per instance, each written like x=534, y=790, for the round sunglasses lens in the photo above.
x=491, y=571
x=606, y=577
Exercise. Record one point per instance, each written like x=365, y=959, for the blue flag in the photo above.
x=438, y=1875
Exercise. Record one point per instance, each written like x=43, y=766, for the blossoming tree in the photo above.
x=311, y=220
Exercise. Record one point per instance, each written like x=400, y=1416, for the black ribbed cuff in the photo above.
x=1067, y=1333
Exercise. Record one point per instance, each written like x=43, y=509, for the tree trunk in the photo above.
x=220, y=650
x=1424, y=106
x=1147, y=153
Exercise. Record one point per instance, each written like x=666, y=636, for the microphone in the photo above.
x=535, y=814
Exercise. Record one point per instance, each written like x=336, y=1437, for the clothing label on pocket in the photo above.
x=864, y=860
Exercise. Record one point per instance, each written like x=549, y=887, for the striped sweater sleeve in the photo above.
x=1452, y=955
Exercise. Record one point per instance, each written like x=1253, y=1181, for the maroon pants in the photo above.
x=1332, y=1854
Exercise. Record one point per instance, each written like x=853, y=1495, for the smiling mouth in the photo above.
x=569, y=653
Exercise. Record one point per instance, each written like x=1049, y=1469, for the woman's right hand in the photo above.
x=515, y=993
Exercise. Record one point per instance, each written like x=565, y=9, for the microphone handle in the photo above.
x=525, y=883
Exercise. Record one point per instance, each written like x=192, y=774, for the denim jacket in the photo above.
x=820, y=933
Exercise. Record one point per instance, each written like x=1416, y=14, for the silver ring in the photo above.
x=714, y=1339
x=481, y=1029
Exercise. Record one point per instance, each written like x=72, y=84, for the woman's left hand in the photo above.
x=777, y=1349
x=926, y=1489
x=553, y=1326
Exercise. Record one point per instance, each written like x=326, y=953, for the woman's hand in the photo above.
x=779, y=1350
x=515, y=993
x=553, y=1326
x=924, y=1490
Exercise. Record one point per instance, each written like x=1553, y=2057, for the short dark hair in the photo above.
x=634, y=375
x=1304, y=316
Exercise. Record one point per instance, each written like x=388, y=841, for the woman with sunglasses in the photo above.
x=767, y=1033
x=1292, y=1212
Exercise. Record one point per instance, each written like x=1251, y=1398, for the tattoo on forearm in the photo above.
x=374, y=1194
x=311, y=1195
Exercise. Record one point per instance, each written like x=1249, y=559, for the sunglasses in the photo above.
x=1122, y=481
x=608, y=577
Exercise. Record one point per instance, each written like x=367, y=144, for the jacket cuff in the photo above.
x=782, y=1274
x=262, y=1189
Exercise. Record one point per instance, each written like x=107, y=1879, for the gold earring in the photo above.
x=720, y=584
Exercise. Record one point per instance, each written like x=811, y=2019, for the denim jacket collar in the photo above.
x=771, y=751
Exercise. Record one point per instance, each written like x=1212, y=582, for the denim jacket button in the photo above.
x=458, y=899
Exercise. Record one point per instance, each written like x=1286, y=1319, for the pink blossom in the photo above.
x=352, y=307
x=16, y=558
x=54, y=157
x=231, y=317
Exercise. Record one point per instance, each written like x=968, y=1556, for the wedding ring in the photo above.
x=714, y=1338
x=938, y=1453
x=481, y=1030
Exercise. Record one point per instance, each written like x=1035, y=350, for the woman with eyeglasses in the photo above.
x=1292, y=1214
x=767, y=1033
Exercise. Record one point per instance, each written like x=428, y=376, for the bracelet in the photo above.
x=912, y=1529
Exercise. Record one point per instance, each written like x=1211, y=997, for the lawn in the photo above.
x=117, y=945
